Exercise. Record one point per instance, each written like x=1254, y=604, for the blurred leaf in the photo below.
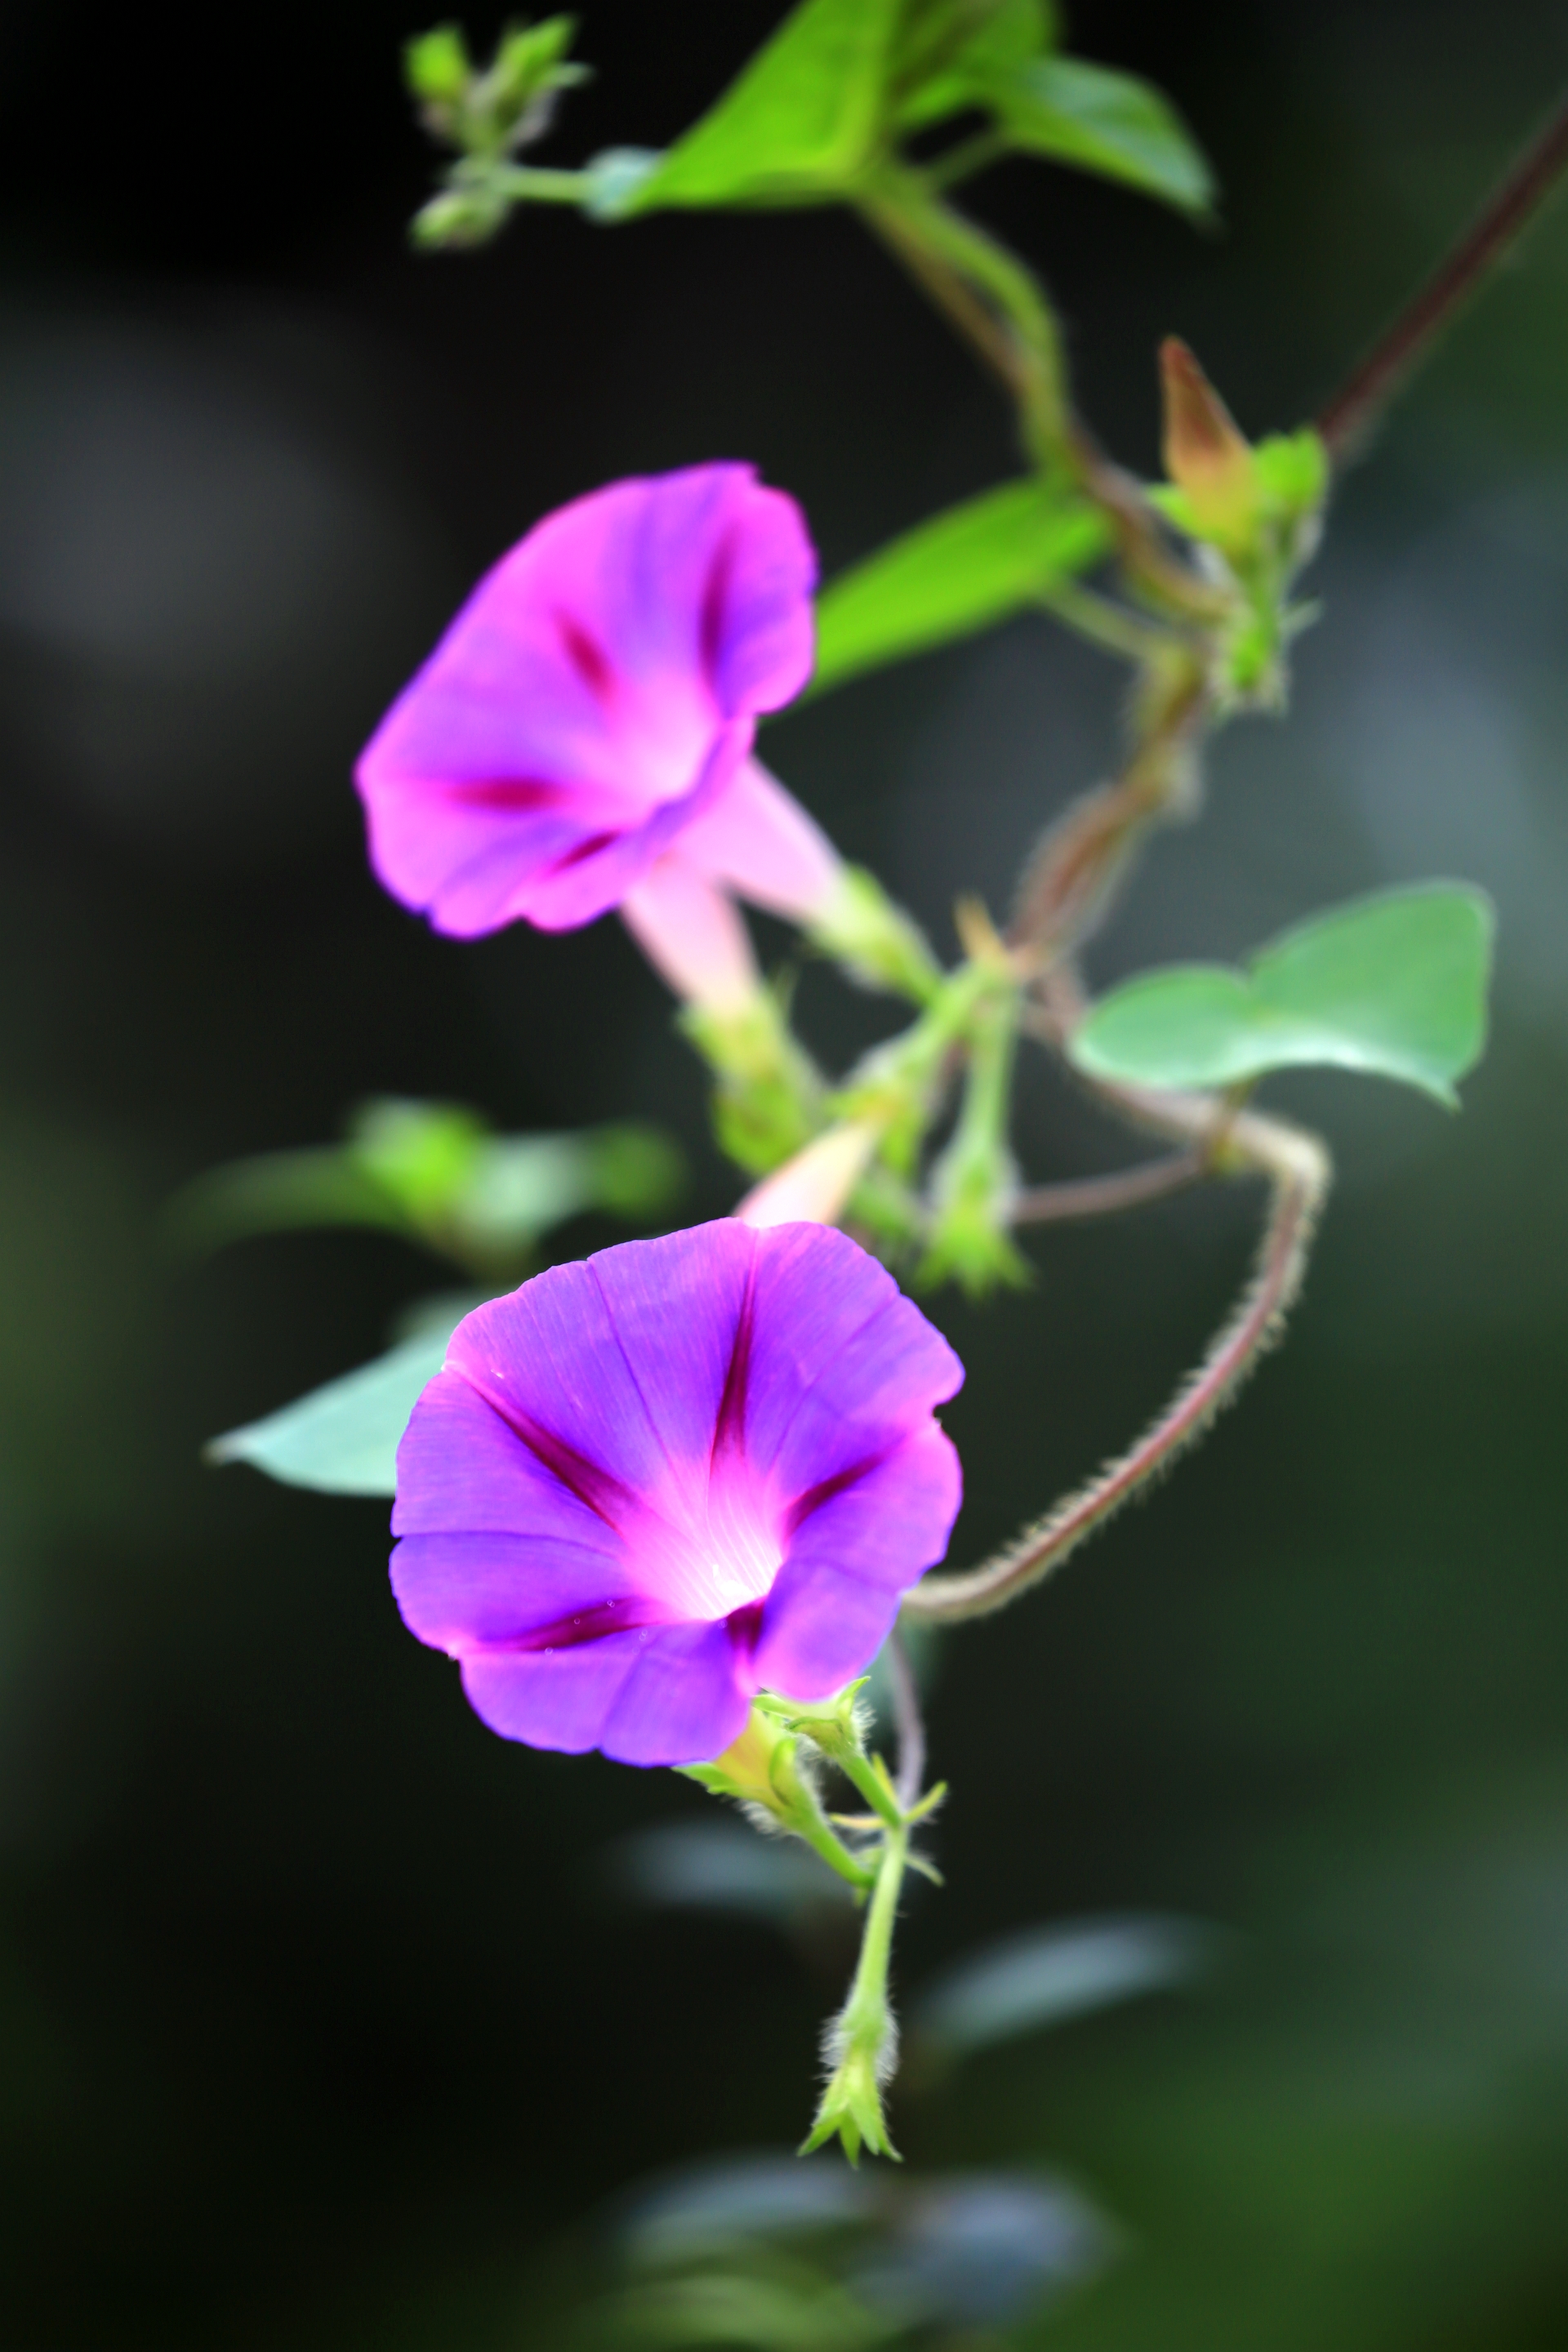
x=342, y=1439
x=720, y=1866
x=796, y=127
x=745, y=2312
x=1048, y=1975
x=435, y=1172
x=436, y=65
x=707, y=2209
x=982, y=2250
x=1107, y=123
x=958, y=573
x=423, y=1154
x=1394, y=985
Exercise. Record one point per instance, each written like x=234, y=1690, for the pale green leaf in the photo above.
x=796, y=127
x=1394, y=985
x=958, y=573
x=1101, y=122
x=342, y=1439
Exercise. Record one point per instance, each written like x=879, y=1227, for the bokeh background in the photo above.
x=321, y=2018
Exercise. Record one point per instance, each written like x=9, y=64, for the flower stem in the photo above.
x=1104, y=1196
x=989, y=296
x=1069, y=881
x=862, y=2042
x=907, y=1717
x=527, y=184
x=1534, y=176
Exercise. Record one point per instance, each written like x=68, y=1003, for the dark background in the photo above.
x=314, y=2027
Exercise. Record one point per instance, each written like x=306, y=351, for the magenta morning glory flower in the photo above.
x=647, y=1485
x=591, y=712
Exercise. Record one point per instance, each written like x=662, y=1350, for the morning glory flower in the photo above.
x=648, y=1484
x=581, y=737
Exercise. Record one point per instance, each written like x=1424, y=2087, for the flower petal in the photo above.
x=677, y=1305
x=461, y=1465
x=464, y=1593
x=693, y=935
x=552, y=1698
x=842, y=1364
x=820, y=1630
x=757, y=838
x=849, y=1559
x=548, y=1361
x=685, y=1700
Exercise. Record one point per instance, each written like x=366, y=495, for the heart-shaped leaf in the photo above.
x=1394, y=985
x=958, y=573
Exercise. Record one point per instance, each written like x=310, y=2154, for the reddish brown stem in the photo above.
x=1528, y=183
x=1104, y=1196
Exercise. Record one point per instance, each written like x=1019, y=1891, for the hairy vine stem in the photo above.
x=1105, y=1196
x=1298, y=1168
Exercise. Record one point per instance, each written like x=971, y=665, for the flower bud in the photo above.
x=812, y=1187
x=1207, y=455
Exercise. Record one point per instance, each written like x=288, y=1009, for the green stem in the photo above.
x=866, y=2013
x=971, y=155
x=1104, y=623
x=990, y=296
x=526, y=185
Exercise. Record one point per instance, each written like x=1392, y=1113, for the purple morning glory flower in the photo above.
x=595, y=698
x=648, y=1484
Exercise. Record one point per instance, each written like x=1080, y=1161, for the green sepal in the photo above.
x=493, y=113
x=850, y=2110
x=974, y=1180
x=767, y=1102
x=763, y=1770
x=874, y=941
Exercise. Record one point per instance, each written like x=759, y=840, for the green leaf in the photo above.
x=933, y=77
x=796, y=127
x=342, y=1439
x=1394, y=985
x=952, y=575
x=1101, y=122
